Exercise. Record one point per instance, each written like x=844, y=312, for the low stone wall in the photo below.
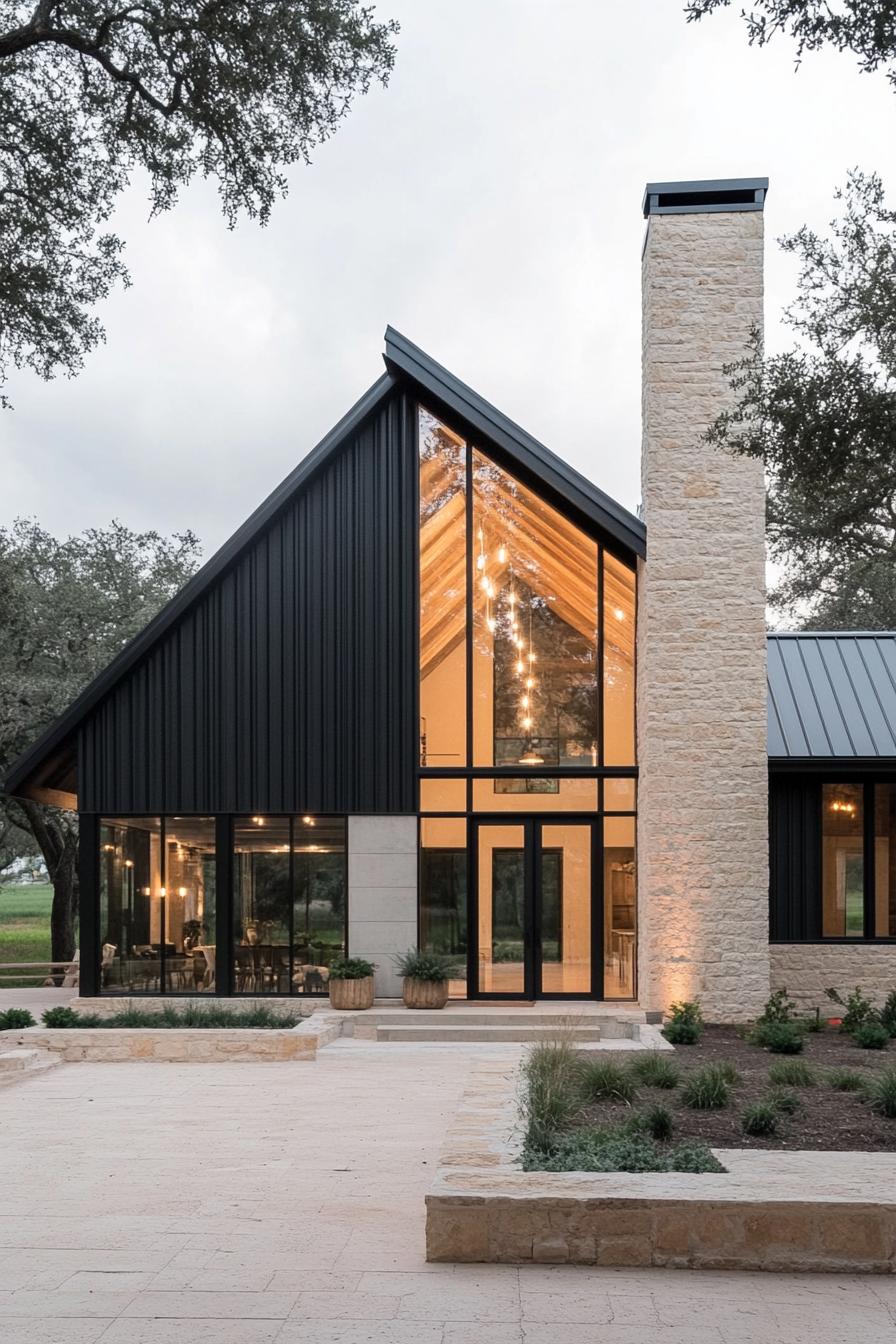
x=767, y=1211
x=806, y=970
x=176, y=1044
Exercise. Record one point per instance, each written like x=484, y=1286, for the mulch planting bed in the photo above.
x=827, y=1119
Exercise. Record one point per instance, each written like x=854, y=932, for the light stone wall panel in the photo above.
x=382, y=894
x=806, y=970
x=703, y=812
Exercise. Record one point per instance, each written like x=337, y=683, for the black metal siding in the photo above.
x=794, y=858
x=291, y=683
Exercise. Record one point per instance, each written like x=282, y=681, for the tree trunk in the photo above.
x=62, y=915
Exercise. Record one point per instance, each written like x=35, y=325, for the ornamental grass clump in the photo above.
x=655, y=1070
x=760, y=1119
x=845, y=1080
x=792, y=1073
x=706, y=1090
x=433, y=967
x=685, y=1024
x=784, y=1101
x=351, y=968
x=880, y=1091
x=603, y=1080
x=657, y=1122
x=550, y=1097
x=15, y=1019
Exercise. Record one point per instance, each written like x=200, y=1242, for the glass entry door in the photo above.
x=535, y=893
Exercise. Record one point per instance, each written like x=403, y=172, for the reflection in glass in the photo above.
x=575, y=794
x=261, y=905
x=319, y=907
x=619, y=662
x=566, y=909
x=443, y=894
x=190, y=886
x=843, y=863
x=501, y=905
x=620, y=908
x=132, y=897
x=534, y=628
x=885, y=861
x=443, y=594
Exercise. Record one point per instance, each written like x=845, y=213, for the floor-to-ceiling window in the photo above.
x=527, y=711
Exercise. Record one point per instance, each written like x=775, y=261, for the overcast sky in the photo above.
x=487, y=204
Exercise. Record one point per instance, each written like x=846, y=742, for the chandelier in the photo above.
x=522, y=654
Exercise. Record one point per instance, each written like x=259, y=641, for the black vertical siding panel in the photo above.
x=291, y=684
x=794, y=858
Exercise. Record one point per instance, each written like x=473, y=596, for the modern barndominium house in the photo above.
x=440, y=689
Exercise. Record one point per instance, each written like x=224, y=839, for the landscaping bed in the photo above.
x=827, y=1119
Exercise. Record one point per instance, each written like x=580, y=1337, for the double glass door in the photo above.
x=536, y=893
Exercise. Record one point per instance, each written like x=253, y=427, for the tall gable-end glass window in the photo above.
x=443, y=594
x=619, y=661
x=535, y=643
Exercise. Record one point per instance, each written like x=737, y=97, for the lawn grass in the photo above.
x=24, y=927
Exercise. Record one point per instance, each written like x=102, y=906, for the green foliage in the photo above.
x=778, y=1008
x=351, y=968
x=685, y=1023
x=780, y=1038
x=888, y=1013
x=729, y=1072
x=430, y=966
x=14, y=1019
x=657, y=1122
x=95, y=93
x=760, y=1118
x=880, y=1090
x=620, y=1150
x=822, y=417
x=604, y=1080
x=655, y=1070
x=864, y=27
x=784, y=1101
x=792, y=1073
x=550, y=1096
x=871, y=1035
x=24, y=909
x=845, y=1080
x=707, y=1089
x=171, y=1015
x=857, y=1009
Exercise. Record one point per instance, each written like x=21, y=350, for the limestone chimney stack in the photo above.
x=703, y=811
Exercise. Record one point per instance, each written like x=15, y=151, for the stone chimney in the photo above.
x=703, y=811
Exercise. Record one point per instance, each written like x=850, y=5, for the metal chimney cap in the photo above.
x=698, y=198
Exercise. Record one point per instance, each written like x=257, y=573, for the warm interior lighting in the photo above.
x=129, y=863
x=848, y=808
x=163, y=891
x=502, y=555
x=309, y=821
x=259, y=821
x=531, y=757
x=619, y=614
x=181, y=891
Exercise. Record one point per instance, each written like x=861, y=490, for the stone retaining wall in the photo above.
x=769, y=1210
x=170, y=1045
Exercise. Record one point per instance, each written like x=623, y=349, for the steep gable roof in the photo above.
x=49, y=762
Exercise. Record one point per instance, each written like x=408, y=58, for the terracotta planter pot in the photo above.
x=424, y=993
x=351, y=994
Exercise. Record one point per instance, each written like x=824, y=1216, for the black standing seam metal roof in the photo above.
x=404, y=361
x=832, y=696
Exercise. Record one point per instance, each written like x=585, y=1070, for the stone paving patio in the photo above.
x=167, y=1203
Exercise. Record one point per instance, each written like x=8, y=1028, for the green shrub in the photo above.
x=844, y=1080
x=429, y=966
x=881, y=1092
x=685, y=1023
x=604, y=1080
x=14, y=1019
x=760, y=1118
x=351, y=968
x=706, y=1090
x=778, y=1008
x=780, y=1038
x=784, y=1101
x=792, y=1073
x=620, y=1150
x=657, y=1122
x=858, y=1009
x=655, y=1070
x=63, y=1016
x=888, y=1013
x=550, y=1096
x=871, y=1035
x=203, y=1015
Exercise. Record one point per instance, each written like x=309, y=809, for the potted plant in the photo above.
x=426, y=976
x=351, y=983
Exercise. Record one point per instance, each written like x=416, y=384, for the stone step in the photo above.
x=510, y=1017
x=13, y=1061
x=20, y=1063
x=451, y=1031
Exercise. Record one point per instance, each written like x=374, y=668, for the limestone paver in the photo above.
x=145, y=1203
